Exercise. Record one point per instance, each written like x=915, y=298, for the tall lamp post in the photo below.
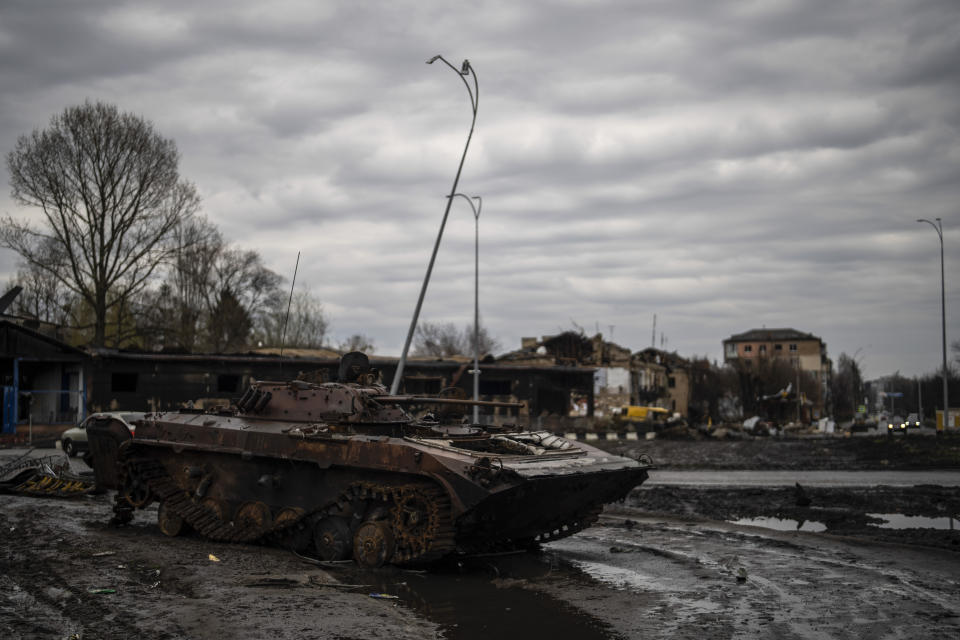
x=476, y=300
x=938, y=227
x=465, y=71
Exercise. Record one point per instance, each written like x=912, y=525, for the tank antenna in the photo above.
x=283, y=334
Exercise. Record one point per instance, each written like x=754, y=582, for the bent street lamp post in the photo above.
x=476, y=300
x=943, y=318
x=465, y=71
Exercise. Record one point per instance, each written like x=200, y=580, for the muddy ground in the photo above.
x=666, y=563
x=856, y=453
x=840, y=510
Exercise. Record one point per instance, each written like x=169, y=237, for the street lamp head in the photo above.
x=433, y=59
x=465, y=68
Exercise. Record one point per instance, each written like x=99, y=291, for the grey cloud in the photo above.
x=722, y=164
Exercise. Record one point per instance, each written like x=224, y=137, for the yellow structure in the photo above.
x=954, y=419
x=643, y=414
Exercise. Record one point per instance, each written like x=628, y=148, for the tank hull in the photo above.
x=403, y=492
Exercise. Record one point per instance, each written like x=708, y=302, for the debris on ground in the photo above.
x=48, y=476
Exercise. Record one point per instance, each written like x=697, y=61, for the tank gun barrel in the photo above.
x=431, y=400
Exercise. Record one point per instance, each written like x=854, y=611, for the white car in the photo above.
x=913, y=421
x=896, y=424
x=74, y=440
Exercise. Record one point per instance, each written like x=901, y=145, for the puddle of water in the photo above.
x=488, y=600
x=617, y=577
x=783, y=524
x=890, y=521
x=900, y=521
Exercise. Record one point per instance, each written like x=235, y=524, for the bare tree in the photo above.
x=306, y=326
x=230, y=324
x=197, y=246
x=44, y=297
x=444, y=339
x=111, y=196
x=204, y=276
x=846, y=387
x=357, y=342
x=257, y=289
x=712, y=389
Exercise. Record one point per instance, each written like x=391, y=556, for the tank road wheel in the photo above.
x=288, y=516
x=136, y=491
x=291, y=533
x=254, y=515
x=170, y=523
x=216, y=507
x=373, y=544
x=416, y=522
x=331, y=538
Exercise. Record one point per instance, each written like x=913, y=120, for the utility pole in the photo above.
x=919, y=401
x=464, y=72
x=943, y=319
x=798, y=395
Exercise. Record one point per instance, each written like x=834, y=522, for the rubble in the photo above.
x=48, y=476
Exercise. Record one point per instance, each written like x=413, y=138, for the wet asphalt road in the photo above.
x=806, y=478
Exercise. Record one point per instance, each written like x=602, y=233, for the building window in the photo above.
x=793, y=347
x=763, y=348
x=495, y=387
x=671, y=382
x=228, y=383
x=123, y=382
x=748, y=348
x=778, y=347
x=422, y=385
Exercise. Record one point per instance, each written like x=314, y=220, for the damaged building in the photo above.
x=757, y=353
x=43, y=378
x=651, y=377
x=47, y=381
x=165, y=381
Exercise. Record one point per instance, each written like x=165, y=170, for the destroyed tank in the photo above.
x=342, y=469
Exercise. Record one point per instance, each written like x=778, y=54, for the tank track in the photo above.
x=418, y=540
x=578, y=523
x=548, y=532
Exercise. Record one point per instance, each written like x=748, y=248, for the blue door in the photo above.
x=9, y=412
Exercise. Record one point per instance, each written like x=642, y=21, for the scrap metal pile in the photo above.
x=48, y=476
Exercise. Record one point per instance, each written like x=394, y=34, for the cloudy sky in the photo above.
x=723, y=165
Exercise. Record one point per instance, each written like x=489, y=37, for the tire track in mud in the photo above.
x=55, y=551
x=56, y=604
x=797, y=585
